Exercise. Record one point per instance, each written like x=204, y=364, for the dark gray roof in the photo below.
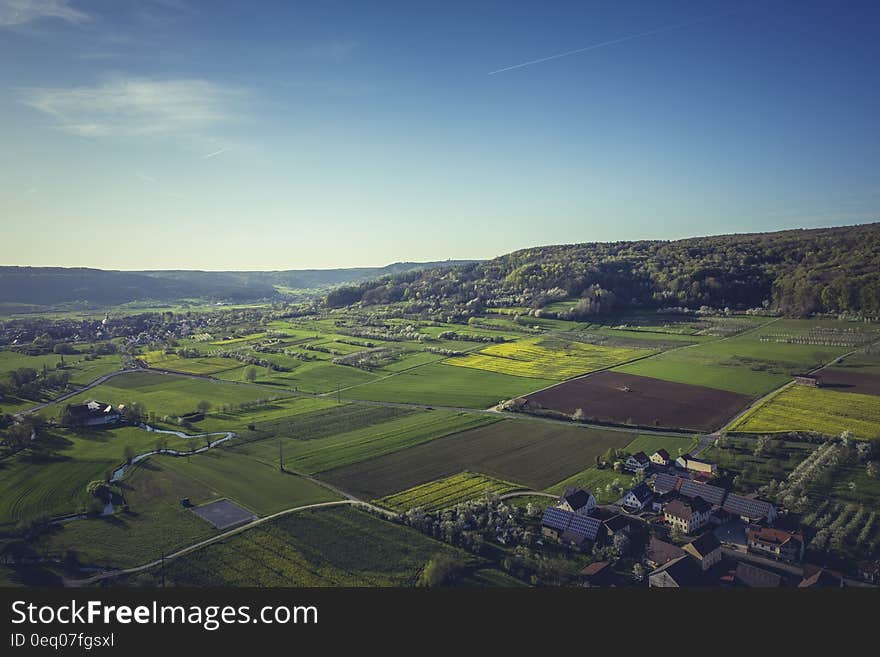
x=663, y=482
x=585, y=526
x=641, y=457
x=572, y=524
x=578, y=499
x=556, y=519
x=682, y=570
x=746, y=506
x=712, y=494
x=616, y=523
x=705, y=544
x=642, y=492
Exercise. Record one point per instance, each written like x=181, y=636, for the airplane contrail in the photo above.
x=629, y=37
x=214, y=154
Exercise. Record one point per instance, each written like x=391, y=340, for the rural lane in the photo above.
x=73, y=393
x=94, y=579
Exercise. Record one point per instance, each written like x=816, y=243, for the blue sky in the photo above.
x=150, y=134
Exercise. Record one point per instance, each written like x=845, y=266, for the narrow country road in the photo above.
x=73, y=393
x=94, y=579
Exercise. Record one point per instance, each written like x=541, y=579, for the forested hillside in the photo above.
x=49, y=286
x=797, y=272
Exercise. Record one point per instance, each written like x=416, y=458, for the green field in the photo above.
x=446, y=492
x=263, y=416
x=51, y=478
x=260, y=487
x=324, y=547
x=864, y=362
x=162, y=361
x=444, y=385
x=649, y=443
x=532, y=453
x=82, y=371
x=800, y=408
x=370, y=441
x=314, y=376
x=546, y=358
x=168, y=394
x=597, y=482
x=157, y=523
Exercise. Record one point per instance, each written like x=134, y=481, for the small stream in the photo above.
x=121, y=470
x=226, y=435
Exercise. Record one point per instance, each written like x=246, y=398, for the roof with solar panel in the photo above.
x=664, y=483
x=747, y=507
x=556, y=519
x=712, y=494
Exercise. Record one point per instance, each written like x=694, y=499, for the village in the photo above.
x=683, y=531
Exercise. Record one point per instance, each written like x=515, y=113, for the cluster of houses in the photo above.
x=684, y=503
x=640, y=462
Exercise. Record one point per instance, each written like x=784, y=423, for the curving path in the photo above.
x=94, y=579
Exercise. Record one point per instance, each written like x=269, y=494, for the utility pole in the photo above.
x=280, y=455
x=338, y=393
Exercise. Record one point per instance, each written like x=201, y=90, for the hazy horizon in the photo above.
x=158, y=134
x=409, y=260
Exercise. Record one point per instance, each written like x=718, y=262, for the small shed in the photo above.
x=806, y=380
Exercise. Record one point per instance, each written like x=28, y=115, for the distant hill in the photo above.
x=52, y=286
x=794, y=272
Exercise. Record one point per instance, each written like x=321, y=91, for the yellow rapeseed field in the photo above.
x=544, y=358
x=800, y=408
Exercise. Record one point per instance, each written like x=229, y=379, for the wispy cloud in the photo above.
x=135, y=106
x=214, y=154
x=20, y=12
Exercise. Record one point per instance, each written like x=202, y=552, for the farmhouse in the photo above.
x=660, y=552
x=687, y=515
x=636, y=498
x=577, y=500
x=688, y=462
x=637, y=462
x=91, y=414
x=706, y=550
x=677, y=573
x=660, y=457
x=779, y=543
